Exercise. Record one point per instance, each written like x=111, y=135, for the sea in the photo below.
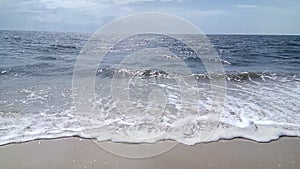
x=137, y=97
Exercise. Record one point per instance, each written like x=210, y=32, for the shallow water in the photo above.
x=262, y=89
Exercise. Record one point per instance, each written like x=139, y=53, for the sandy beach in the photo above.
x=71, y=153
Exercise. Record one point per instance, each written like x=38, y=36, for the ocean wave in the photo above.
x=36, y=69
x=230, y=76
x=258, y=112
x=197, y=59
x=46, y=58
x=190, y=130
x=60, y=46
x=261, y=104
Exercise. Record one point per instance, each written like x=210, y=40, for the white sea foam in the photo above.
x=261, y=112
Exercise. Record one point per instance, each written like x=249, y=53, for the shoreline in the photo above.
x=76, y=152
x=208, y=142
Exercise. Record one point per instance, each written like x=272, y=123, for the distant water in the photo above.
x=36, y=69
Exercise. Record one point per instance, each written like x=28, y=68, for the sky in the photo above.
x=211, y=17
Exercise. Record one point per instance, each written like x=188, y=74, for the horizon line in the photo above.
x=209, y=33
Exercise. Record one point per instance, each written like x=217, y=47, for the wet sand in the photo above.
x=73, y=153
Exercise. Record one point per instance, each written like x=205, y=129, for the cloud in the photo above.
x=70, y=4
x=89, y=15
x=123, y=2
x=246, y=6
x=78, y=11
x=65, y=10
x=59, y=15
x=207, y=13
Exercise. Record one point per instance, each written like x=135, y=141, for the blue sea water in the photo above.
x=36, y=72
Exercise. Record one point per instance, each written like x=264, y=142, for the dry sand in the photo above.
x=73, y=153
